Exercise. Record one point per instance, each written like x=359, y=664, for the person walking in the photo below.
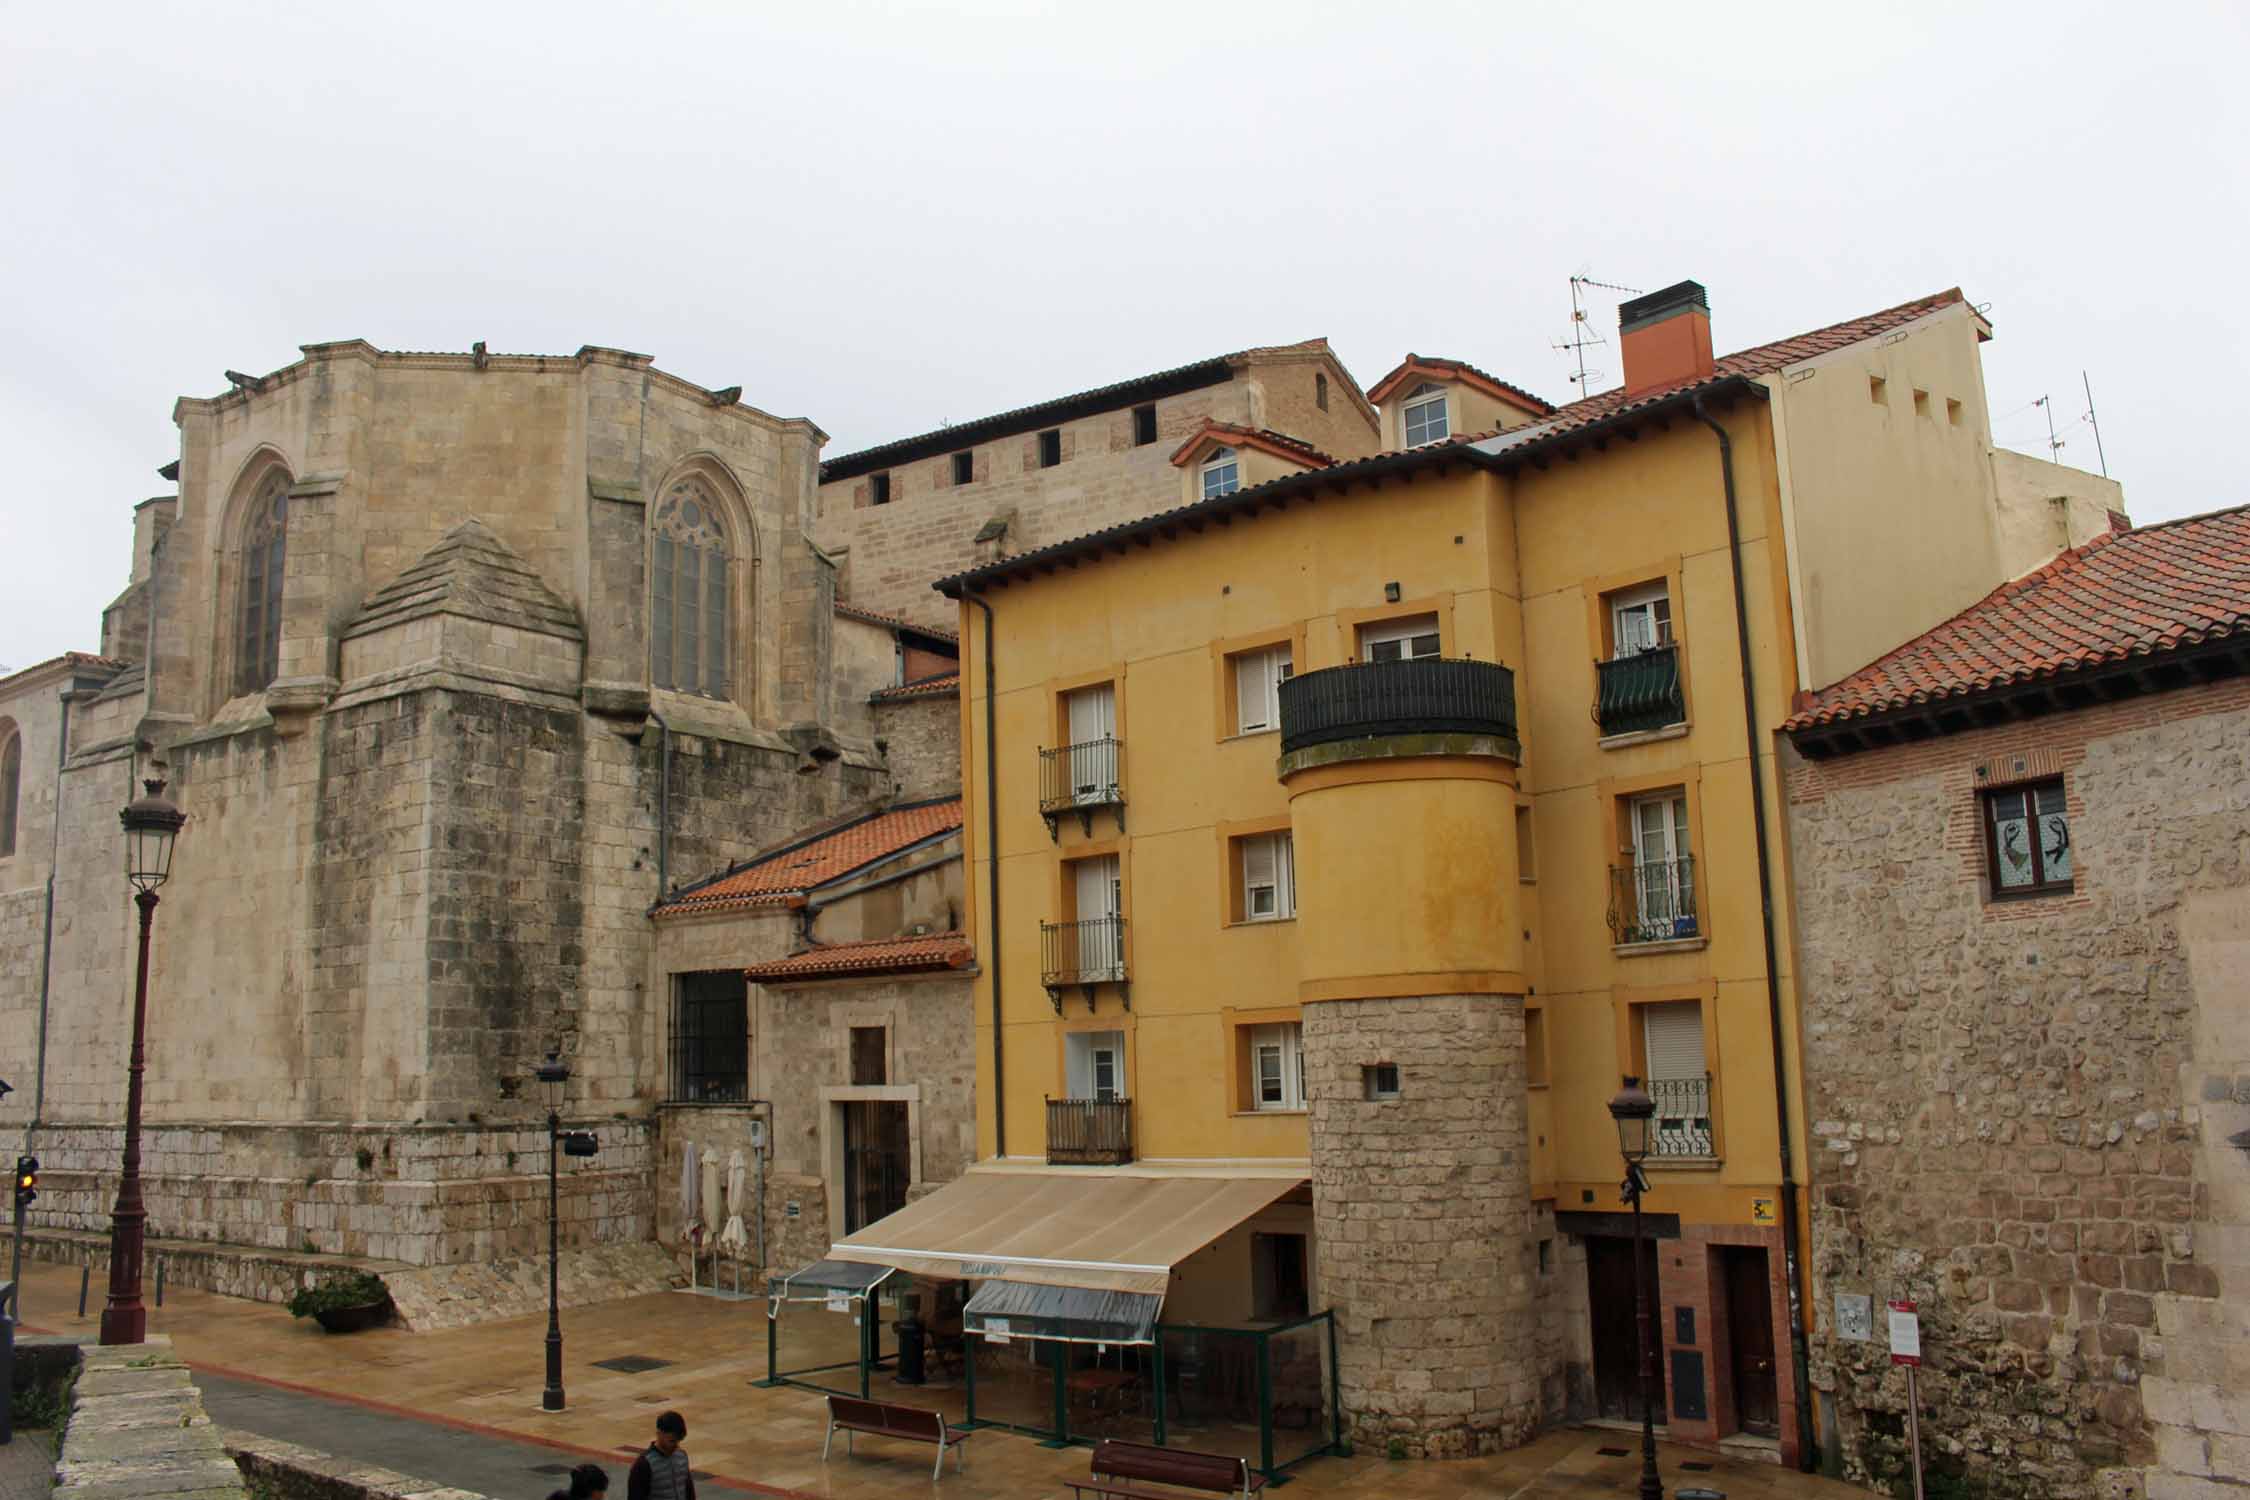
x=662, y=1472
x=587, y=1482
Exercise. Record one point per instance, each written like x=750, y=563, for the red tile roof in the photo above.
x=788, y=873
x=1454, y=369
x=2128, y=594
x=895, y=622
x=1225, y=434
x=906, y=955
x=1765, y=359
x=928, y=687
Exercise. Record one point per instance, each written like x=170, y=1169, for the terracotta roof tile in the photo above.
x=1227, y=434
x=777, y=878
x=945, y=950
x=2124, y=595
x=928, y=687
x=1430, y=364
x=895, y=622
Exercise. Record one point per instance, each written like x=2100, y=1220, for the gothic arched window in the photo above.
x=257, y=640
x=11, y=791
x=688, y=593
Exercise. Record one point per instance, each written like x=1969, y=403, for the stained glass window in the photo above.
x=2027, y=838
x=265, y=545
x=689, y=599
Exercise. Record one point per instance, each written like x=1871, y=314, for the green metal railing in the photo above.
x=1639, y=692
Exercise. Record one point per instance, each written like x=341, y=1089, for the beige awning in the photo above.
x=1109, y=1233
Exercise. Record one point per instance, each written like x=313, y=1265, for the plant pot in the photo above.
x=352, y=1319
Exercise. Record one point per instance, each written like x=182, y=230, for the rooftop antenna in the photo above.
x=1579, y=336
x=2054, y=444
x=2096, y=421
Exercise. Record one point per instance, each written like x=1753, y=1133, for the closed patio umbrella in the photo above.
x=687, y=1190
x=734, y=1239
x=712, y=1205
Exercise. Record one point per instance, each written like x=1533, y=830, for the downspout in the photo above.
x=663, y=808
x=1792, y=1271
x=992, y=873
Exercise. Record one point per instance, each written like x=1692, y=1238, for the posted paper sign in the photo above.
x=1906, y=1334
x=839, y=1301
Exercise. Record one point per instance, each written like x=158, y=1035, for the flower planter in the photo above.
x=352, y=1319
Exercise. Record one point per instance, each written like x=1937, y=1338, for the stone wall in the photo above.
x=921, y=741
x=1422, y=1208
x=2021, y=1107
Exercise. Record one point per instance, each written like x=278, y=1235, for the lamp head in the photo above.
x=1634, y=1111
x=151, y=823
x=553, y=1073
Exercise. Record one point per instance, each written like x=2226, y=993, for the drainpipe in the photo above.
x=663, y=808
x=992, y=872
x=1792, y=1271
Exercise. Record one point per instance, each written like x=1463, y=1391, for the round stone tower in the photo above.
x=1402, y=797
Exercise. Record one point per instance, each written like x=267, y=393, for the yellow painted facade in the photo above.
x=1513, y=569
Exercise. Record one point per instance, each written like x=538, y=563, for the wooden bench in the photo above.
x=913, y=1424
x=1115, y=1465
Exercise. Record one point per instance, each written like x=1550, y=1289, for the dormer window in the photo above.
x=1423, y=417
x=1222, y=474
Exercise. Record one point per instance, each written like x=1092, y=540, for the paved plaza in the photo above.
x=461, y=1407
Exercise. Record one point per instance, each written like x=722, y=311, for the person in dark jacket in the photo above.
x=662, y=1472
x=587, y=1482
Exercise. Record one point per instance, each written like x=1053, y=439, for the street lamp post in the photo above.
x=151, y=822
x=554, y=1073
x=1635, y=1112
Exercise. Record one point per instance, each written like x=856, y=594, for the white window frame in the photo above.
x=1284, y=1043
x=1085, y=1053
x=1090, y=715
x=1101, y=951
x=1269, y=870
x=1416, y=408
x=1258, y=676
x=1628, y=637
x=1662, y=890
x=1222, y=473
x=1410, y=635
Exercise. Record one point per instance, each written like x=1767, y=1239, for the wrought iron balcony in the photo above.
x=1653, y=902
x=1640, y=692
x=1084, y=953
x=1082, y=778
x=1427, y=695
x=1089, y=1132
x=1683, y=1116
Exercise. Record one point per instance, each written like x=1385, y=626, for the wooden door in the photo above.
x=1617, y=1338
x=875, y=1161
x=1757, y=1402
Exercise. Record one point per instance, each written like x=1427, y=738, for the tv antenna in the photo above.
x=1580, y=337
x=2095, y=422
x=2054, y=444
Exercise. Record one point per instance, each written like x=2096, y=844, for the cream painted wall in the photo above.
x=2044, y=508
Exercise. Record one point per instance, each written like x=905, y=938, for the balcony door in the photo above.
x=1399, y=640
x=1101, y=936
x=1662, y=873
x=1095, y=1064
x=1093, y=748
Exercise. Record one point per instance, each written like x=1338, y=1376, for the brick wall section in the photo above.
x=2021, y=1108
x=1423, y=1216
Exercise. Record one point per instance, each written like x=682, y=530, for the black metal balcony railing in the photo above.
x=1089, y=1132
x=1654, y=901
x=1640, y=692
x=1081, y=778
x=1086, y=952
x=1429, y=695
x=1683, y=1116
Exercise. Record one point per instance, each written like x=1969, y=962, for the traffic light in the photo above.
x=27, y=1180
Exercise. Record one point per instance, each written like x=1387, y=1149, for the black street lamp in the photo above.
x=554, y=1073
x=151, y=822
x=1635, y=1114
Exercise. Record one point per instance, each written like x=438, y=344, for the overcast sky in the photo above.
x=884, y=218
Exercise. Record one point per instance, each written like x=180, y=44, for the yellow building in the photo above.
x=1349, y=831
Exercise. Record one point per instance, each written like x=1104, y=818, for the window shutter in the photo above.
x=1675, y=1039
x=1250, y=692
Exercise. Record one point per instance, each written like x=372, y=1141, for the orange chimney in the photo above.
x=1666, y=337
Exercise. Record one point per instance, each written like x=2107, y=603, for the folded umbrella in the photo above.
x=734, y=1239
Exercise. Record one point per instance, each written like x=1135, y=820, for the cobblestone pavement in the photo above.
x=484, y=1382
x=27, y=1466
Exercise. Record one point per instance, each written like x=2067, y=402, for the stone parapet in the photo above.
x=137, y=1427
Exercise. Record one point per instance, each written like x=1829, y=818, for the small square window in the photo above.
x=1921, y=403
x=1877, y=390
x=1546, y=1257
x=870, y=1056
x=1423, y=417
x=965, y=467
x=879, y=490
x=1222, y=473
x=1380, y=1080
x=1952, y=411
x=1144, y=425
x=1050, y=448
x=2027, y=839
